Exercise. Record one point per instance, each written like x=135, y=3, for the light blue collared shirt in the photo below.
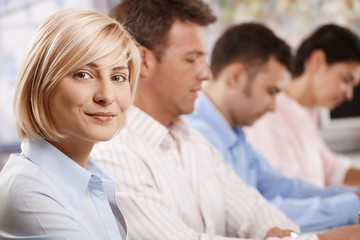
x=46, y=195
x=312, y=208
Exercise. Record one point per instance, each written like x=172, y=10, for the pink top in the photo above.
x=290, y=140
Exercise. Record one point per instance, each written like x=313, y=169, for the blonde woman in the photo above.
x=74, y=88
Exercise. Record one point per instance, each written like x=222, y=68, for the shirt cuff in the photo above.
x=349, y=206
x=310, y=236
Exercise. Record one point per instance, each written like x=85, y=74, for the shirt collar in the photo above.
x=205, y=109
x=70, y=178
x=153, y=132
x=95, y=169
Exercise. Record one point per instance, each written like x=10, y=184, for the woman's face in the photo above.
x=89, y=104
x=336, y=83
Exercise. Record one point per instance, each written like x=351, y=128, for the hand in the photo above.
x=277, y=232
x=356, y=237
x=350, y=232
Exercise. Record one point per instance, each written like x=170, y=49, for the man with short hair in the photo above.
x=172, y=182
x=250, y=65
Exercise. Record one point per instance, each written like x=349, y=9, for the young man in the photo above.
x=172, y=182
x=250, y=65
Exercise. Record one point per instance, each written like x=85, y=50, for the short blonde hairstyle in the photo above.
x=66, y=41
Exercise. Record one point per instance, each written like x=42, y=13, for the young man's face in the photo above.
x=178, y=75
x=336, y=83
x=257, y=96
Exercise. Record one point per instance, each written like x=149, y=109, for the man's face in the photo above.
x=336, y=83
x=176, y=78
x=257, y=96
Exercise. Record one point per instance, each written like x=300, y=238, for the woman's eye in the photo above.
x=190, y=60
x=347, y=81
x=82, y=75
x=119, y=78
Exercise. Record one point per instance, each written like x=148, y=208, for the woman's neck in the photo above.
x=301, y=90
x=78, y=152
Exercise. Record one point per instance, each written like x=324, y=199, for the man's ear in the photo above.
x=148, y=60
x=315, y=61
x=236, y=72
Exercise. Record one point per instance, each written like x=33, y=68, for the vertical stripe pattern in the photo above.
x=174, y=185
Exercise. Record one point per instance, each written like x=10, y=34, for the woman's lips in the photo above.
x=102, y=116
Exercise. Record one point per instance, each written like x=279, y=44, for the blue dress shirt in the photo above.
x=311, y=207
x=46, y=195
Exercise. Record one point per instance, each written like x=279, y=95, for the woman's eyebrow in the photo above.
x=117, y=68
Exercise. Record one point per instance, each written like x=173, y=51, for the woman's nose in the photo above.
x=349, y=93
x=104, y=93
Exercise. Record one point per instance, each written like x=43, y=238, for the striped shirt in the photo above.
x=174, y=185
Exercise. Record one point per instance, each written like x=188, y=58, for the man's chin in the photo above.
x=188, y=110
x=249, y=123
x=256, y=118
x=333, y=106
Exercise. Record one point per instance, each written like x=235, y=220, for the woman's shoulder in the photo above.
x=21, y=178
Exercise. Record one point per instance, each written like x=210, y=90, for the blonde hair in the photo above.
x=67, y=40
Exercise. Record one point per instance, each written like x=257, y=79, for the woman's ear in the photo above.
x=316, y=60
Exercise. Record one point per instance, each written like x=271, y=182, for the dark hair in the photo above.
x=338, y=43
x=250, y=43
x=149, y=21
